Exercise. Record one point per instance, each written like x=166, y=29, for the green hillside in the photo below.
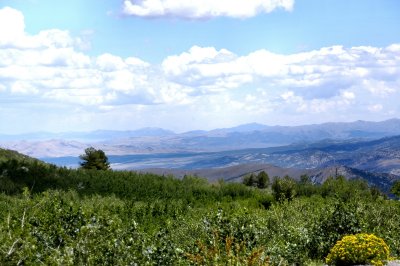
x=6, y=154
x=58, y=216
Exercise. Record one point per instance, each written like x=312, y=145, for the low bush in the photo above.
x=359, y=249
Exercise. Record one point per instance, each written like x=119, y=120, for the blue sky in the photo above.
x=183, y=65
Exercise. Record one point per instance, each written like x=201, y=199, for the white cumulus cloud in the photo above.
x=47, y=71
x=12, y=26
x=49, y=66
x=13, y=35
x=200, y=9
x=324, y=73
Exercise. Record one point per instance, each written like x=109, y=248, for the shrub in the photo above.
x=284, y=188
x=359, y=249
x=226, y=251
x=396, y=188
x=262, y=180
x=249, y=180
x=337, y=219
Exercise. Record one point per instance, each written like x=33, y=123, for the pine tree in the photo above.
x=94, y=159
x=262, y=180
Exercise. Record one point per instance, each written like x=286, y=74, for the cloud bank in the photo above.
x=203, y=85
x=203, y=9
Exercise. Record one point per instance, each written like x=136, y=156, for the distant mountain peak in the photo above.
x=153, y=131
x=241, y=128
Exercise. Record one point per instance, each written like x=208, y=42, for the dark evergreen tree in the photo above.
x=94, y=159
x=249, y=180
x=262, y=180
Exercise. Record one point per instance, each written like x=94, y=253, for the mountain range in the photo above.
x=156, y=140
x=368, y=150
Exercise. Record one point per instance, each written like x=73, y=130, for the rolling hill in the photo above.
x=6, y=154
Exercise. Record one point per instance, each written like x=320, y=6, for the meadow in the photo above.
x=57, y=216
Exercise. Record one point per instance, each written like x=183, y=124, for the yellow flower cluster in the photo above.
x=359, y=249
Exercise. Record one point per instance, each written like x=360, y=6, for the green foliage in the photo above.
x=339, y=218
x=284, y=188
x=228, y=239
x=58, y=229
x=94, y=160
x=226, y=251
x=89, y=217
x=359, y=249
x=396, y=188
x=249, y=180
x=16, y=174
x=305, y=187
x=345, y=189
x=6, y=155
x=262, y=180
